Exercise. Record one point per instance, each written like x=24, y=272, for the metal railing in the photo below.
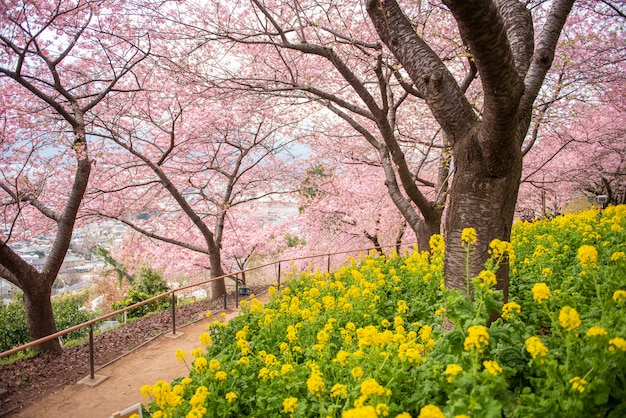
x=173, y=292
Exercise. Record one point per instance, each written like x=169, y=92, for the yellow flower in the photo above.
x=357, y=372
x=492, y=367
x=431, y=411
x=468, y=236
x=578, y=384
x=487, y=278
x=372, y=387
x=286, y=368
x=498, y=248
x=569, y=318
x=314, y=383
x=461, y=416
x=617, y=256
x=382, y=410
x=535, y=347
x=587, y=255
x=205, y=339
x=200, y=364
x=509, y=309
x=339, y=390
x=221, y=375
x=231, y=396
x=367, y=411
x=478, y=337
x=214, y=365
x=403, y=415
x=596, y=331
x=541, y=292
x=402, y=306
x=619, y=295
x=617, y=342
x=180, y=355
x=452, y=370
x=145, y=390
x=290, y=405
x=342, y=357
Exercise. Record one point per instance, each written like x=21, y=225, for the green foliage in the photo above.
x=67, y=311
x=148, y=283
x=114, y=266
x=294, y=241
x=367, y=339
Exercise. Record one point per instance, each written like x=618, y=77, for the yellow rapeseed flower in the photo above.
x=487, y=278
x=214, y=365
x=569, y=318
x=403, y=415
x=492, y=367
x=617, y=342
x=231, y=396
x=451, y=371
x=578, y=384
x=541, y=292
x=468, y=236
x=478, y=337
x=619, y=295
x=508, y=309
x=596, y=331
x=372, y=387
x=587, y=255
x=339, y=390
x=290, y=405
x=402, y=306
x=180, y=355
x=357, y=372
x=200, y=364
x=431, y=411
x=535, y=347
x=367, y=411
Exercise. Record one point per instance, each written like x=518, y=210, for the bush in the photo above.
x=67, y=313
x=148, y=283
x=367, y=340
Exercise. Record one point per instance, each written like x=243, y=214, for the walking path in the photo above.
x=123, y=378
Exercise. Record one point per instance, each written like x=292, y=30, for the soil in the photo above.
x=34, y=378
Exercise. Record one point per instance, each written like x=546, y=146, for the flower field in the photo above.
x=367, y=340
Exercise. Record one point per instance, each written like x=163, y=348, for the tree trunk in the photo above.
x=426, y=228
x=38, y=308
x=484, y=202
x=218, y=287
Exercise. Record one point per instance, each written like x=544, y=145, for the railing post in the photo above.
x=92, y=373
x=278, y=276
x=173, y=313
x=236, y=291
x=328, y=264
x=225, y=302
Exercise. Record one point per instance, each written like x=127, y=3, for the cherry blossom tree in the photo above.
x=58, y=61
x=475, y=66
x=575, y=143
x=183, y=163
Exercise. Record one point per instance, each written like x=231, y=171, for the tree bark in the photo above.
x=486, y=150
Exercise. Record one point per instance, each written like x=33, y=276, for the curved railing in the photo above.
x=173, y=292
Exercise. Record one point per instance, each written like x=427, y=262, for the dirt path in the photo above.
x=148, y=364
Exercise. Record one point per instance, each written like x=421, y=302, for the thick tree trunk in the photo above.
x=484, y=202
x=218, y=287
x=426, y=228
x=38, y=307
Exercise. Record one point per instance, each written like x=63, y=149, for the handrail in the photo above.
x=172, y=292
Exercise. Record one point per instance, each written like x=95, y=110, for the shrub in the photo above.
x=67, y=309
x=148, y=283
